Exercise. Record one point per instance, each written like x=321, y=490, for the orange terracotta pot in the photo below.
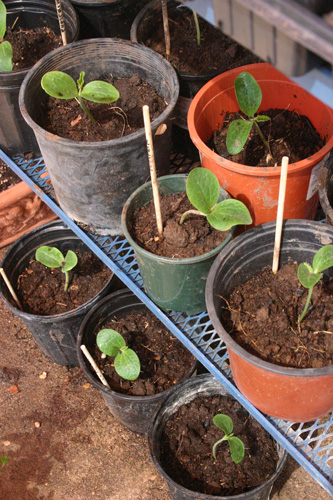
x=21, y=210
x=258, y=187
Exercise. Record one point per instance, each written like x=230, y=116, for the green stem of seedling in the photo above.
x=306, y=305
x=66, y=281
x=185, y=214
x=86, y=110
x=225, y=438
x=262, y=137
x=197, y=27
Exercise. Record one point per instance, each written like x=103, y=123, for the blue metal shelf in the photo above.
x=310, y=444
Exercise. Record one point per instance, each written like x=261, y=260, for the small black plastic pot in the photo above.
x=135, y=412
x=106, y=19
x=92, y=180
x=15, y=135
x=325, y=189
x=55, y=335
x=187, y=391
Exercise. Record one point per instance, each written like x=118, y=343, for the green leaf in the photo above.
x=3, y=21
x=237, y=449
x=49, y=256
x=202, y=189
x=60, y=85
x=6, y=56
x=224, y=423
x=110, y=342
x=323, y=259
x=80, y=81
x=229, y=213
x=248, y=93
x=306, y=275
x=127, y=364
x=237, y=135
x=98, y=91
x=262, y=118
x=70, y=261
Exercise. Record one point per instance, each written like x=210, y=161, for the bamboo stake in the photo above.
x=166, y=28
x=279, y=217
x=93, y=364
x=61, y=22
x=10, y=288
x=152, y=167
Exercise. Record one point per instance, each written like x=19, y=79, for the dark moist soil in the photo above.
x=29, y=46
x=188, y=439
x=216, y=52
x=289, y=134
x=194, y=237
x=41, y=289
x=65, y=118
x=164, y=360
x=261, y=315
x=8, y=178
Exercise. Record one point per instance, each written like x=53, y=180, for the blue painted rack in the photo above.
x=310, y=444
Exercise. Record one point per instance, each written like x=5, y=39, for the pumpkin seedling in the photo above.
x=249, y=97
x=3, y=461
x=236, y=445
x=126, y=361
x=203, y=191
x=6, y=50
x=62, y=86
x=52, y=257
x=310, y=275
x=197, y=27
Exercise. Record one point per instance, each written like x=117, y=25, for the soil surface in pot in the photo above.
x=194, y=237
x=65, y=118
x=261, y=315
x=188, y=438
x=164, y=360
x=41, y=289
x=289, y=134
x=8, y=178
x=29, y=46
x=216, y=52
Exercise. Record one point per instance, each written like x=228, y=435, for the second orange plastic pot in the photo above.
x=258, y=187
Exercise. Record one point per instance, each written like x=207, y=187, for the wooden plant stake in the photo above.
x=166, y=28
x=61, y=22
x=279, y=217
x=10, y=288
x=152, y=167
x=93, y=364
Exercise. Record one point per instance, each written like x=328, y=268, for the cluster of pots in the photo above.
x=85, y=175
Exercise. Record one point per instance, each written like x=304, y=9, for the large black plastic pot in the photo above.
x=294, y=394
x=92, y=180
x=106, y=19
x=325, y=189
x=143, y=27
x=56, y=335
x=135, y=412
x=15, y=135
x=200, y=386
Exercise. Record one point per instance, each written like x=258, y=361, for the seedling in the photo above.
x=62, y=86
x=203, y=191
x=126, y=361
x=249, y=97
x=236, y=445
x=52, y=257
x=3, y=461
x=6, y=50
x=197, y=27
x=310, y=275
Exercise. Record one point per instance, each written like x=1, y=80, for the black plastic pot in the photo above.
x=143, y=27
x=135, y=412
x=187, y=391
x=293, y=394
x=325, y=189
x=56, y=335
x=15, y=135
x=107, y=19
x=92, y=180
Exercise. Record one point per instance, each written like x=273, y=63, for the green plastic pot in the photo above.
x=173, y=284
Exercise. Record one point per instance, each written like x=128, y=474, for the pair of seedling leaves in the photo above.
x=6, y=50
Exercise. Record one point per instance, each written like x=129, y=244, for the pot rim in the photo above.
x=161, y=258
x=111, y=43
x=226, y=337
